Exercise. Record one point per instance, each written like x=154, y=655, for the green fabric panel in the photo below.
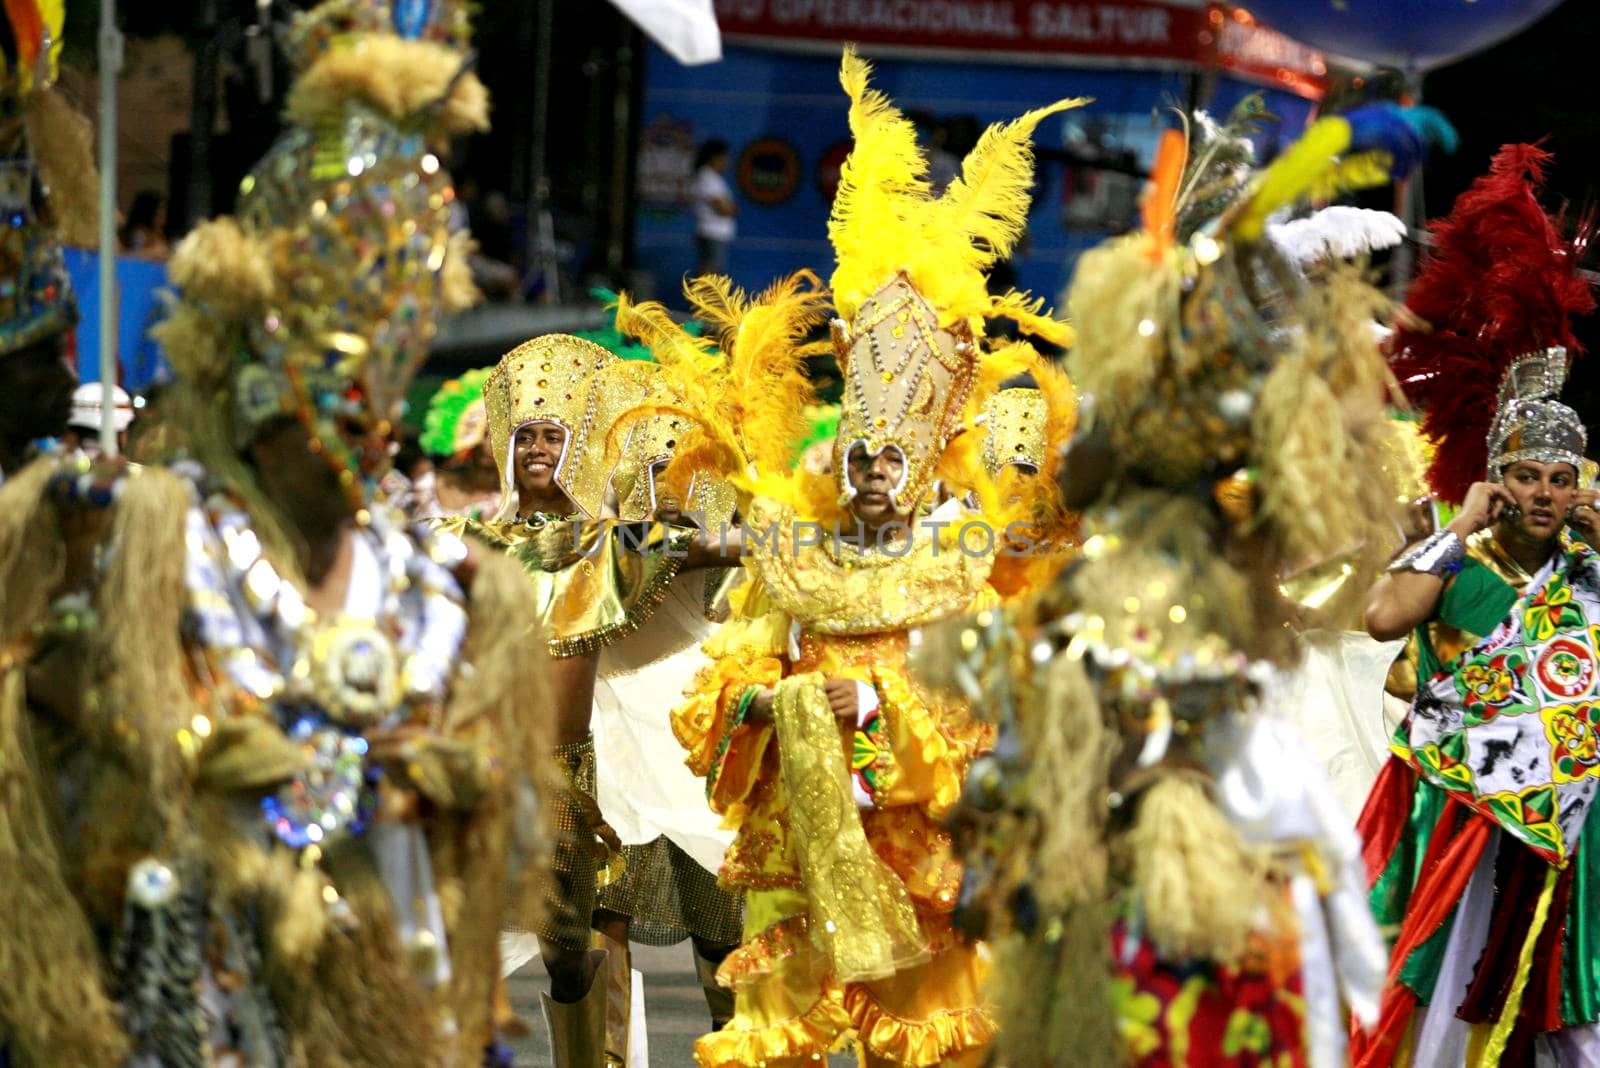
x=1580, y=946
x=1421, y=969
x=1475, y=601
x=1391, y=893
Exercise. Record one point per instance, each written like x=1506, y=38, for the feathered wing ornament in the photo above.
x=883, y=188
x=988, y=203
x=1030, y=314
x=745, y=389
x=766, y=351
x=718, y=302
x=1501, y=281
x=615, y=341
x=1220, y=160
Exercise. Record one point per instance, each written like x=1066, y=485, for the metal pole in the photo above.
x=110, y=67
x=1408, y=200
x=203, y=113
x=622, y=141
x=541, y=228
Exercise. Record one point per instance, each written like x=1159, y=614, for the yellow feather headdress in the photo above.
x=886, y=221
x=743, y=385
x=911, y=284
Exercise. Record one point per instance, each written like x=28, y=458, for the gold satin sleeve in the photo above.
x=728, y=755
x=746, y=651
x=594, y=581
x=932, y=741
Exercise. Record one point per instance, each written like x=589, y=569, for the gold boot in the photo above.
x=719, y=999
x=619, y=1000
x=578, y=1029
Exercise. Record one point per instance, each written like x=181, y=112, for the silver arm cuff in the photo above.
x=1439, y=554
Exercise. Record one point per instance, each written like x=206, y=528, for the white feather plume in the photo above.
x=1337, y=232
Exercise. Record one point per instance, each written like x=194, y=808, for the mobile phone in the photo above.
x=1588, y=478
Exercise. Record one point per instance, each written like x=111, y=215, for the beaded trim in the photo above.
x=1544, y=456
x=644, y=606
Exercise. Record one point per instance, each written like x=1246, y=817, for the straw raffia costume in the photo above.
x=327, y=906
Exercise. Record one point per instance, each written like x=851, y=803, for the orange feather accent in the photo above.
x=1160, y=207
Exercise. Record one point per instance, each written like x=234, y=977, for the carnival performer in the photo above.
x=355, y=710
x=78, y=790
x=455, y=436
x=597, y=580
x=1231, y=431
x=672, y=844
x=848, y=877
x=1475, y=830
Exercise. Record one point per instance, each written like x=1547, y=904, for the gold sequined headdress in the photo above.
x=554, y=379
x=647, y=445
x=1529, y=422
x=911, y=286
x=320, y=299
x=1015, y=429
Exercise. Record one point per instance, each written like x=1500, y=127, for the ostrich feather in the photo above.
x=1337, y=232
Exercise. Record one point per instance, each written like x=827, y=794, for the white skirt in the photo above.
x=1335, y=698
x=645, y=789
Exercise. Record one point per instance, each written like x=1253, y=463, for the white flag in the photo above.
x=687, y=29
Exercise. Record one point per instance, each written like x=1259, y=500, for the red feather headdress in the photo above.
x=1501, y=281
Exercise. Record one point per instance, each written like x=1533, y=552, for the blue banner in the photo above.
x=139, y=284
x=783, y=116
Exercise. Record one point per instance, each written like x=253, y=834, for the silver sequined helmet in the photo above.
x=1529, y=423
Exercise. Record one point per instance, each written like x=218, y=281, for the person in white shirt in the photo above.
x=83, y=427
x=714, y=209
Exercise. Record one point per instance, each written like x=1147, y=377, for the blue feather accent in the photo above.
x=1433, y=126
x=412, y=17
x=1382, y=128
x=1406, y=134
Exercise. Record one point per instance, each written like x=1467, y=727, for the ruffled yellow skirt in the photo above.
x=789, y=1011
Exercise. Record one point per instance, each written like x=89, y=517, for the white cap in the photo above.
x=86, y=406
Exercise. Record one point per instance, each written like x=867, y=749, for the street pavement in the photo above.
x=675, y=1009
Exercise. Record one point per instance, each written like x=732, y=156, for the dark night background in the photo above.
x=1536, y=85
x=1530, y=87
